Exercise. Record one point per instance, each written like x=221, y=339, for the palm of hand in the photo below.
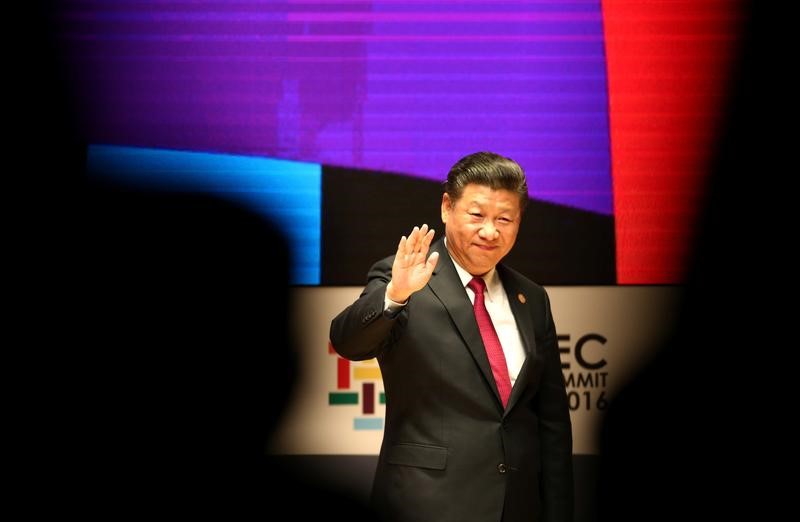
x=412, y=269
x=411, y=272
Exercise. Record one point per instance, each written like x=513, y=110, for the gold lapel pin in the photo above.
x=521, y=298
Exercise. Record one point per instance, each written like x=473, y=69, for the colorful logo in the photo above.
x=347, y=393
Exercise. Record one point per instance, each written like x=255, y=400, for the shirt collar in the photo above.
x=493, y=284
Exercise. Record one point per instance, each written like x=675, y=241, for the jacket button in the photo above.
x=501, y=468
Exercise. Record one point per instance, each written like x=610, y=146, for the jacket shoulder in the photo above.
x=516, y=279
x=381, y=269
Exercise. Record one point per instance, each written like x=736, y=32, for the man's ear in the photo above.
x=446, y=207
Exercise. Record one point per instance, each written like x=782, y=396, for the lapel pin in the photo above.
x=521, y=298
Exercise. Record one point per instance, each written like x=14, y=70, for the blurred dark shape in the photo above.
x=184, y=316
x=184, y=307
x=157, y=332
x=695, y=434
x=185, y=312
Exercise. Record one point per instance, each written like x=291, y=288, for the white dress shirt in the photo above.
x=499, y=309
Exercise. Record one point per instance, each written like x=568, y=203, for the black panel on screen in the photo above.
x=365, y=213
x=560, y=245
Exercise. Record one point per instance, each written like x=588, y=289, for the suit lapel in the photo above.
x=447, y=287
x=524, y=319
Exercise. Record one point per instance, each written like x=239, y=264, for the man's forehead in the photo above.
x=484, y=195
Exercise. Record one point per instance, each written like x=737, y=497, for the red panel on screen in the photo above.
x=668, y=65
x=342, y=374
x=368, y=394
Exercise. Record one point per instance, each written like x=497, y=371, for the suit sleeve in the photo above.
x=362, y=330
x=555, y=431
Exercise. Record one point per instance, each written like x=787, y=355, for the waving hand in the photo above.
x=412, y=267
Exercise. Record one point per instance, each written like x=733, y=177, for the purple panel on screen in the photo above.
x=399, y=86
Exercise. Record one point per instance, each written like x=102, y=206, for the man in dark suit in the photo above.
x=477, y=421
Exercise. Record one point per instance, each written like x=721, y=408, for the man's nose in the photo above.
x=488, y=231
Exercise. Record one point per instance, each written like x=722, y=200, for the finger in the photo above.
x=400, y=257
x=425, y=244
x=412, y=240
x=428, y=238
x=420, y=240
x=431, y=264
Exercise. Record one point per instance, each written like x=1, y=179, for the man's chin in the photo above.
x=479, y=269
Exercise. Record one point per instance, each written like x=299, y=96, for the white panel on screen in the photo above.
x=605, y=335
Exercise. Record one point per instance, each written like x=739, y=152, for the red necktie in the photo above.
x=497, y=359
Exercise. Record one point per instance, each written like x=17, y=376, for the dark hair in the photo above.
x=489, y=169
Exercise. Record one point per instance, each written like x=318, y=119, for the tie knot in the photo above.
x=478, y=285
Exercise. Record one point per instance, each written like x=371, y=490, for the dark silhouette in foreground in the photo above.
x=155, y=328
x=186, y=318
x=695, y=434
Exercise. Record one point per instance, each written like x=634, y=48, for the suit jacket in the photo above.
x=450, y=451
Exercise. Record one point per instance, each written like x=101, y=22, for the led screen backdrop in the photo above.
x=389, y=94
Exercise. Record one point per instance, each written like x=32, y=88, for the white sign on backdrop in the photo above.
x=605, y=335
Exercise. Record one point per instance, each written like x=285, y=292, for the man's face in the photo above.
x=481, y=227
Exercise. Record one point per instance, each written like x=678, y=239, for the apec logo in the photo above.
x=357, y=383
x=586, y=382
x=348, y=392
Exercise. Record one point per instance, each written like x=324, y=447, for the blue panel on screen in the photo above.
x=368, y=423
x=287, y=192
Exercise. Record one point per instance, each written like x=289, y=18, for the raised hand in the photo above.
x=412, y=267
